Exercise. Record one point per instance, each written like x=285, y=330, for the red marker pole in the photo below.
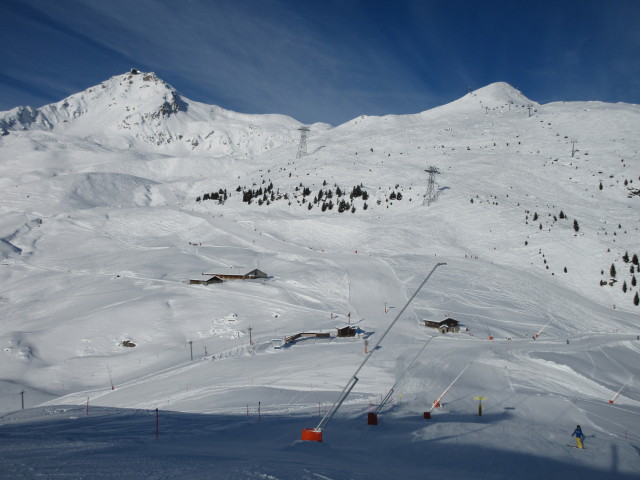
x=157, y=421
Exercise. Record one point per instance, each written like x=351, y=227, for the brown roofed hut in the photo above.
x=214, y=279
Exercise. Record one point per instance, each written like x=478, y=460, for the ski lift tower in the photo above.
x=302, y=148
x=431, y=195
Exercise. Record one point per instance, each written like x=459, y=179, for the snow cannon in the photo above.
x=311, y=435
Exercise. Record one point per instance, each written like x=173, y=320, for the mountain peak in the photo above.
x=500, y=93
x=495, y=96
x=134, y=89
x=140, y=108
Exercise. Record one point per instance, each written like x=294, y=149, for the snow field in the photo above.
x=101, y=233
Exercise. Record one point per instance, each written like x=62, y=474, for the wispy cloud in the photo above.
x=252, y=56
x=324, y=61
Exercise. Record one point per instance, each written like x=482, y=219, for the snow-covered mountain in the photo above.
x=113, y=199
x=140, y=111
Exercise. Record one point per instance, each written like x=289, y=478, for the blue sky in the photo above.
x=323, y=60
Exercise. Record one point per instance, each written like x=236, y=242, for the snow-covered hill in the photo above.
x=140, y=111
x=114, y=198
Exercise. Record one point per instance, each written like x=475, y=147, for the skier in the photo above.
x=579, y=436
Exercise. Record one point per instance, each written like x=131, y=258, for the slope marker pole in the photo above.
x=110, y=379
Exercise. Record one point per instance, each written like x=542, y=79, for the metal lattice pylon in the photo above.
x=431, y=195
x=302, y=148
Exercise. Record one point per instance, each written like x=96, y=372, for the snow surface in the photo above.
x=100, y=233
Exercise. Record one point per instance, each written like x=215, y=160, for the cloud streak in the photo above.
x=327, y=61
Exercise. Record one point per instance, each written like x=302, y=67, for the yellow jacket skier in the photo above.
x=579, y=436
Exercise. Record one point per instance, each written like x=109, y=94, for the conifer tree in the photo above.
x=612, y=271
x=636, y=300
x=576, y=227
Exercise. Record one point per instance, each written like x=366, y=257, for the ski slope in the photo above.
x=101, y=231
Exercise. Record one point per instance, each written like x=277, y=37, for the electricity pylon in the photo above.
x=431, y=195
x=302, y=148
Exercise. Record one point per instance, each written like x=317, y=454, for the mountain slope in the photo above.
x=138, y=110
x=106, y=214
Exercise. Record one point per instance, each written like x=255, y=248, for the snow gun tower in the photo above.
x=431, y=195
x=315, y=434
x=372, y=417
x=302, y=148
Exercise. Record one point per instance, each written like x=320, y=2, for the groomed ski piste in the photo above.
x=101, y=232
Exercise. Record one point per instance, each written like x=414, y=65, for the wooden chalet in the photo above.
x=227, y=276
x=347, y=331
x=446, y=325
x=292, y=338
x=252, y=275
x=255, y=274
x=213, y=279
